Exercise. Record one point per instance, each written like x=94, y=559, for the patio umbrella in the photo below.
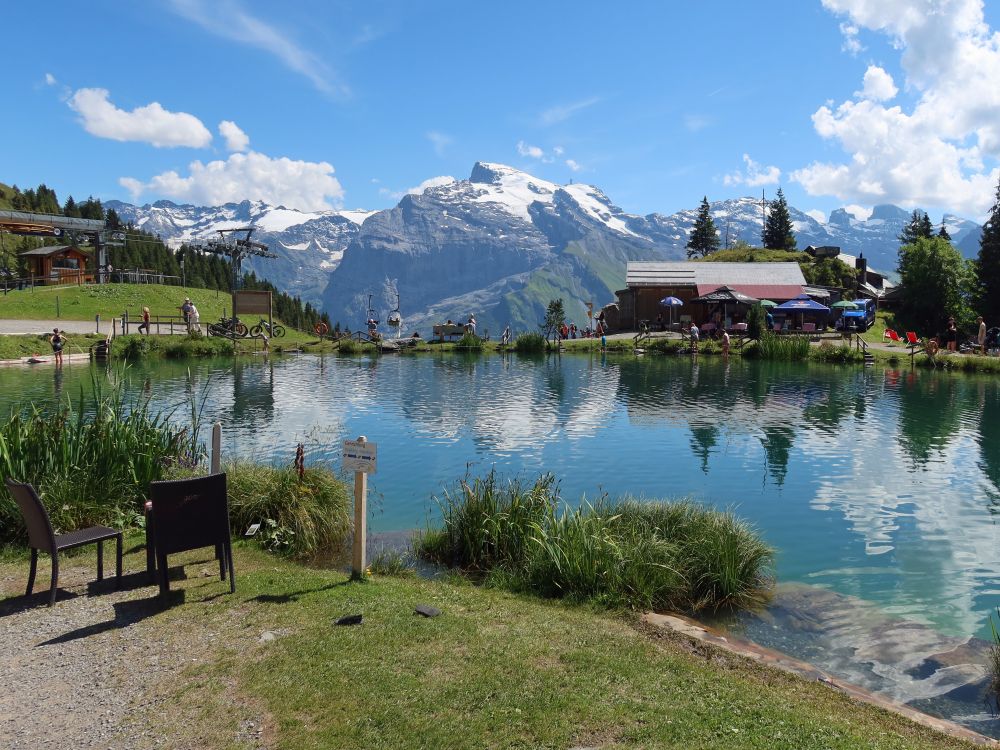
x=844, y=305
x=802, y=303
x=726, y=296
x=766, y=303
x=671, y=302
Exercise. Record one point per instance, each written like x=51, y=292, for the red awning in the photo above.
x=773, y=292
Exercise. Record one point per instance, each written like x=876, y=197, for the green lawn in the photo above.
x=494, y=670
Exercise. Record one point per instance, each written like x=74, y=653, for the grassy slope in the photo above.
x=110, y=300
x=495, y=670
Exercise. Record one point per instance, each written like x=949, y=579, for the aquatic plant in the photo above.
x=92, y=464
x=529, y=343
x=392, y=562
x=618, y=553
x=297, y=516
x=843, y=354
x=773, y=347
x=470, y=341
x=348, y=346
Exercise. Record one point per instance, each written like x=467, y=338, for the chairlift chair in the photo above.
x=395, y=319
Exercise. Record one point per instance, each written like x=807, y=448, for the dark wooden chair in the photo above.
x=42, y=538
x=190, y=514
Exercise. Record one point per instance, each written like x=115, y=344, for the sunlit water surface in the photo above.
x=878, y=488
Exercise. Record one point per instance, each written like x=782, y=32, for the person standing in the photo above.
x=145, y=321
x=951, y=336
x=58, y=341
x=725, y=343
x=194, y=319
x=186, y=313
x=694, y=337
x=471, y=325
x=981, y=338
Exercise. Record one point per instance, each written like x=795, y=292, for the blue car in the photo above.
x=861, y=319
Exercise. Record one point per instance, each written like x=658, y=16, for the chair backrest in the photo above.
x=912, y=337
x=190, y=513
x=40, y=533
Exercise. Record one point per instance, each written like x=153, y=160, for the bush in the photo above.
x=348, y=346
x=530, y=343
x=843, y=354
x=661, y=555
x=756, y=322
x=297, y=517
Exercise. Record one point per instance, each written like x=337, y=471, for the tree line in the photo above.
x=143, y=250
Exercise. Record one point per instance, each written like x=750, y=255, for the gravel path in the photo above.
x=36, y=327
x=93, y=670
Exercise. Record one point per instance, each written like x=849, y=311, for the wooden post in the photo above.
x=360, y=521
x=216, y=465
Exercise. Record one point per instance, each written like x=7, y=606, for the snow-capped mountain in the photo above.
x=308, y=244
x=500, y=244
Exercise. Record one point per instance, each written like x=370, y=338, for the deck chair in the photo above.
x=41, y=538
x=190, y=514
x=892, y=336
x=911, y=339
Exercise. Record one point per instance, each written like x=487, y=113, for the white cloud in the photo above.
x=227, y=19
x=756, y=174
x=532, y=151
x=236, y=139
x=851, y=43
x=694, y=122
x=50, y=80
x=816, y=214
x=861, y=213
x=942, y=151
x=440, y=141
x=574, y=165
x=562, y=112
x=149, y=124
x=558, y=150
x=878, y=85
x=307, y=186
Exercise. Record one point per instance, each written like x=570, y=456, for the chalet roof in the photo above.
x=43, y=252
x=714, y=275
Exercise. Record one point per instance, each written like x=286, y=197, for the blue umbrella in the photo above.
x=802, y=303
x=671, y=302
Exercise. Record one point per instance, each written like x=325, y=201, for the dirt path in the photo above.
x=98, y=669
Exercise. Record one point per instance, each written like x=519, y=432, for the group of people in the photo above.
x=694, y=335
x=951, y=335
x=571, y=331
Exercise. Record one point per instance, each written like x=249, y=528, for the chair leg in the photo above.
x=220, y=554
x=118, y=563
x=100, y=560
x=232, y=575
x=55, y=579
x=31, y=573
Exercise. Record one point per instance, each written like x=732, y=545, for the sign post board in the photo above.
x=359, y=456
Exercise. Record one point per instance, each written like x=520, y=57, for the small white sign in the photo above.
x=359, y=456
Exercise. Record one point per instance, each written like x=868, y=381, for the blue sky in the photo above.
x=841, y=102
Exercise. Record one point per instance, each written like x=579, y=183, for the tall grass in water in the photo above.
x=92, y=464
x=782, y=348
x=471, y=342
x=659, y=555
x=530, y=343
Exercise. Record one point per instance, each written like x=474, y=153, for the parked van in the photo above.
x=861, y=319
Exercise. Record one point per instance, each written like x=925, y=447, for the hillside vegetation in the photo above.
x=822, y=271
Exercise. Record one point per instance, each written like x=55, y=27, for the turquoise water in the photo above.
x=879, y=486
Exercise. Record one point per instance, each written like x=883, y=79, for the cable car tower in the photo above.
x=237, y=249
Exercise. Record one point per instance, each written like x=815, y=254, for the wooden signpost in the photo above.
x=359, y=456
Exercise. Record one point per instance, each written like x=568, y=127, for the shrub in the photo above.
x=530, y=343
x=661, y=555
x=842, y=354
x=297, y=517
x=348, y=346
x=756, y=319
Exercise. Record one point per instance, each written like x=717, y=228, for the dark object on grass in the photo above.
x=426, y=610
x=190, y=514
x=349, y=620
x=42, y=538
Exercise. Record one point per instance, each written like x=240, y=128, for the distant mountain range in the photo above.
x=500, y=244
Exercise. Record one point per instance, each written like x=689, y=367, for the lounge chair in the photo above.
x=892, y=336
x=42, y=538
x=190, y=514
x=911, y=339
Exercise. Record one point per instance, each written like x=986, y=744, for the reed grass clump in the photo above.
x=348, y=346
x=471, y=342
x=617, y=553
x=842, y=354
x=790, y=348
x=530, y=343
x=298, y=517
x=92, y=463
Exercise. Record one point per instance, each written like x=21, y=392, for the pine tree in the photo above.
x=943, y=233
x=926, y=228
x=989, y=264
x=778, y=234
x=919, y=226
x=704, y=239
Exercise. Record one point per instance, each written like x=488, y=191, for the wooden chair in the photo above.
x=42, y=538
x=190, y=514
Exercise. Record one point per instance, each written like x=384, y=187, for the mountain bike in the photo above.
x=275, y=332
x=229, y=327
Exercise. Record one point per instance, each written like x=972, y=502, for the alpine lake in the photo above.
x=879, y=488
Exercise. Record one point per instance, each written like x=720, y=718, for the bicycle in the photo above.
x=274, y=331
x=228, y=327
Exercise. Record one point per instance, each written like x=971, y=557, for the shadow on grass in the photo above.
x=292, y=596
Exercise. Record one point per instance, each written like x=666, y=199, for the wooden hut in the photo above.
x=59, y=264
